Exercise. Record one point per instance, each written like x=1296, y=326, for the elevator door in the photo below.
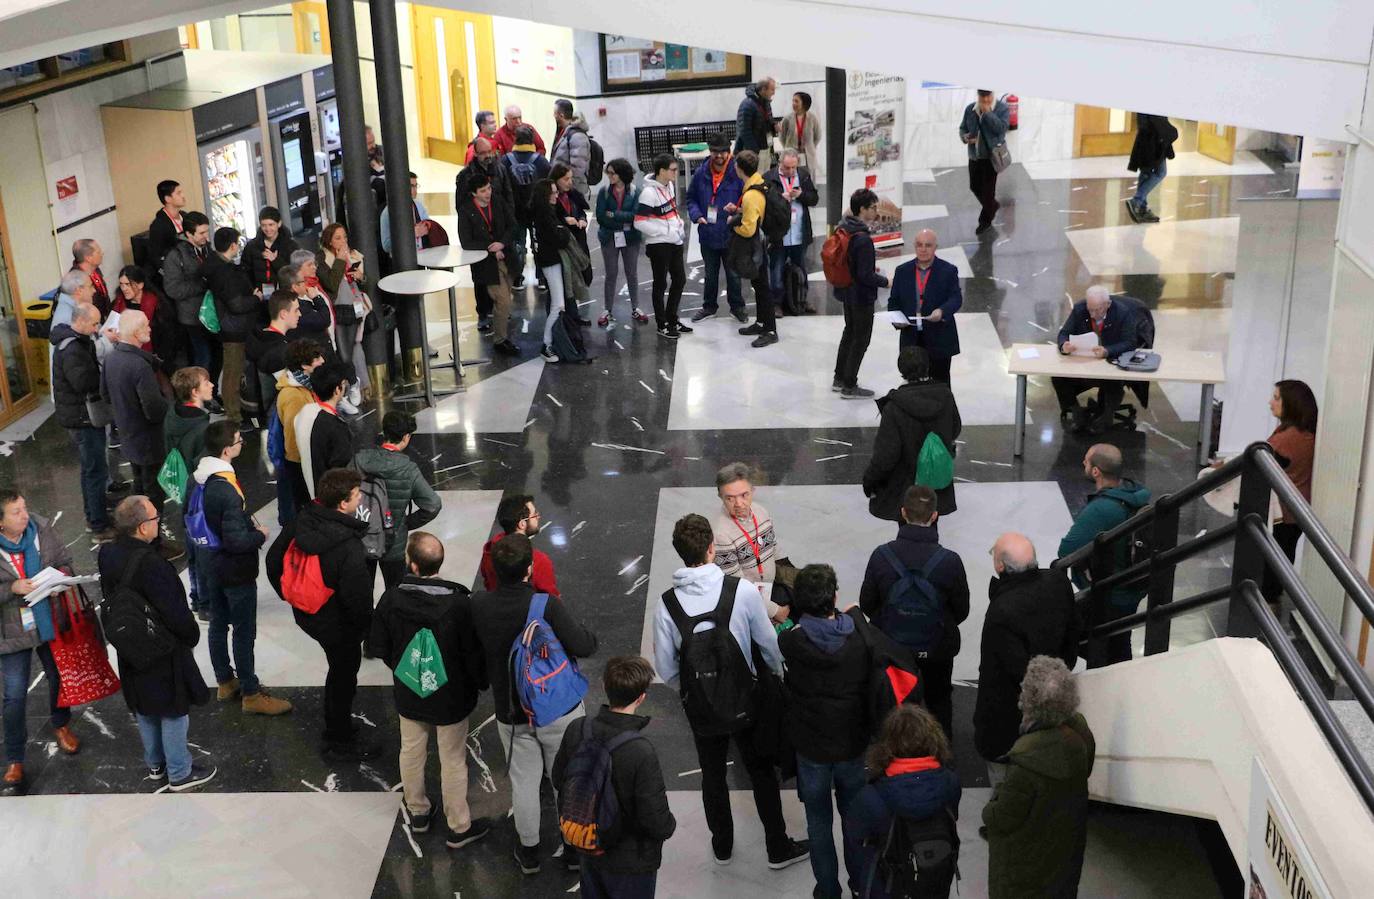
x=455, y=76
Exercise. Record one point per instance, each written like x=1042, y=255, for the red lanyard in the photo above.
x=753, y=541
x=273, y=329
x=486, y=215
x=391, y=446
x=565, y=200
x=1097, y=326
x=176, y=222
x=17, y=560
x=717, y=180
x=620, y=200
x=921, y=287
x=801, y=123
x=329, y=408
x=99, y=282
x=785, y=185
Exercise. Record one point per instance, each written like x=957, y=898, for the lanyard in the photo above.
x=99, y=281
x=391, y=446
x=176, y=222
x=801, y=123
x=620, y=200
x=273, y=329
x=565, y=200
x=486, y=215
x=17, y=560
x=329, y=408
x=1098, y=325
x=753, y=541
x=716, y=180
x=921, y=287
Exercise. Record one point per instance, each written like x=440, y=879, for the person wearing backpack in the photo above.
x=928, y=287
x=323, y=438
x=526, y=165
x=1115, y=499
x=420, y=613
x=317, y=562
x=405, y=486
x=227, y=570
x=933, y=600
x=753, y=228
x=851, y=268
x=605, y=763
x=159, y=694
x=710, y=655
x=183, y=430
x=500, y=618
x=572, y=146
x=914, y=797
x=911, y=415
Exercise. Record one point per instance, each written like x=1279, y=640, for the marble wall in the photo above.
x=1044, y=132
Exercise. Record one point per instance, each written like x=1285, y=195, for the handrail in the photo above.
x=1169, y=610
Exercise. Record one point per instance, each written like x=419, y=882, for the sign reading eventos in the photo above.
x=1280, y=865
x=876, y=105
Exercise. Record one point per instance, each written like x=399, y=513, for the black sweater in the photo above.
x=337, y=539
x=235, y=301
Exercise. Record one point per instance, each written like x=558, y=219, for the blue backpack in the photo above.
x=547, y=681
x=914, y=614
x=276, y=442
x=197, y=528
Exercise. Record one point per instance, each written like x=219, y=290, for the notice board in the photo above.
x=631, y=64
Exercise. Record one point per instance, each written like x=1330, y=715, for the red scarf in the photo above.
x=911, y=766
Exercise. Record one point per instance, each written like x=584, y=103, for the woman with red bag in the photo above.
x=28, y=544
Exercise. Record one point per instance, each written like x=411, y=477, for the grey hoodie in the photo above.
x=698, y=590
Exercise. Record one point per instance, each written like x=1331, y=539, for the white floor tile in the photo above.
x=805, y=517
x=1177, y=247
x=1185, y=164
x=496, y=405
x=722, y=382
x=920, y=213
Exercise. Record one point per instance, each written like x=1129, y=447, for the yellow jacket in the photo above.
x=291, y=399
x=751, y=207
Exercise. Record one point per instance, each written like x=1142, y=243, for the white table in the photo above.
x=1189, y=366
x=449, y=258
x=416, y=284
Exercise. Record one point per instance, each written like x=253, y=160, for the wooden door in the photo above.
x=17, y=394
x=1217, y=141
x=1099, y=131
x=455, y=76
x=312, y=27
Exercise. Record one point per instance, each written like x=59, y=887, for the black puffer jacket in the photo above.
x=337, y=539
x=827, y=688
x=238, y=307
x=909, y=413
x=914, y=546
x=75, y=376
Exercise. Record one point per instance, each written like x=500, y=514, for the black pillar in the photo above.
x=400, y=215
x=362, y=236
x=836, y=203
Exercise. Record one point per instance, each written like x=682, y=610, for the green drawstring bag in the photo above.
x=934, y=465
x=209, y=317
x=421, y=667
x=172, y=476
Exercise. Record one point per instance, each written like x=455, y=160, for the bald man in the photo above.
x=1114, y=323
x=505, y=137
x=927, y=288
x=1030, y=613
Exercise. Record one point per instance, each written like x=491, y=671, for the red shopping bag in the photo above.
x=78, y=648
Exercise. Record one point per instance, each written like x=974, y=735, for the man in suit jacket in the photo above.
x=929, y=287
x=1117, y=332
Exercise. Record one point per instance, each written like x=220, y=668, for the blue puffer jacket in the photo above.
x=716, y=236
x=918, y=795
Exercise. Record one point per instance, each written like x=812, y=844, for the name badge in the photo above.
x=711, y=215
x=26, y=616
x=359, y=310
x=619, y=239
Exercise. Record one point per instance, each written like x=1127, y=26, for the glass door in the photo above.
x=16, y=387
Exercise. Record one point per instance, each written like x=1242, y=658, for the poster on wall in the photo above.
x=622, y=42
x=1280, y=865
x=621, y=66
x=707, y=61
x=1321, y=169
x=66, y=190
x=876, y=105
x=632, y=65
x=676, y=56
x=652, y=65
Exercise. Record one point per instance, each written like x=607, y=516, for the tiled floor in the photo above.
x=1184, y=165
x=1164, y=248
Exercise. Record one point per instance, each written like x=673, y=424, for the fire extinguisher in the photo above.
x=1013, y=110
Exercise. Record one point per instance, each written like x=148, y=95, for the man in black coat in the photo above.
x=859, y=297
x=484, y=224
x=423, y=600
x=917, y=544
x=329, y=530
x=159, y=695
x=1030, y=613
x=1154, y=145
x=754, y=127
x=166, y=227
x=75, y=379
x=1117, y=329
x=928, y=287
x=629, y=867
x=269, y=251
x=910, y=414
x=237, y=304
x=183, y=281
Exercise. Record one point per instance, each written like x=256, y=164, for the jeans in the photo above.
x=854, y=340
x=516, y=253
x=452, y=742
x=938, y=676
x=340, y=685
x=982, y=181
x=230, y=607
x=1148, y=181
x=815, y=783
x=605, y=885
x=777, y=258
x=669, y=275
x=712, y=754
x=286, y=501
x=15, y=669
x=530, y=752
x=95, y=474
x=615, y=258
x=164, y=744
x=713, y=261
x=206, y=352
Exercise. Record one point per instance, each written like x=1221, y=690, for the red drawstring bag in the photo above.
x=302, y=583
x=78, y=648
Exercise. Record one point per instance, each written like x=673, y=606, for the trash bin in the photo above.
x=37, y=325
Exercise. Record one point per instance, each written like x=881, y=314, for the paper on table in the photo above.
x=50, y=580
x=1084, y=344
x=1028, y=353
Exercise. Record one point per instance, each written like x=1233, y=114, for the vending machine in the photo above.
x=229, y=145
x=329, y=156
x=293, y=157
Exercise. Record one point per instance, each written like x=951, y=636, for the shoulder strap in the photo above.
x=538, y=604
x=131, y=567
x=620, y=739
x=891, y=558
x=725, y=605
x=935, y=559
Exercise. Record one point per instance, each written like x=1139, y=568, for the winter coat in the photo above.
x=753, y=122
x=657, y=217
x=171, y=685
x=1120, y=328
x=162, y=236
x=184, y=429
x=333, y=272
x=1103, y=512
x=291, y=399
x=324, y=441
x=700, y=199
x=446, y=609
x=826, y=685
x=521, y=192
x=543, y=579
x=863, y=264
x=551, y=234
x=502, y=194
x=573, y=146
x=613, y=216
x=1037, y=818
x=405, y=484
x=940, y=339
x=183, y=280
x=338, y=541
x=1154, y=142
x=235, y=563
x=473, y=234
x=909, y=414
x=257, y=268
x=918, y=795
x=574, y=203
x=266, y=349
x=129, y=382
x=75, y=376
x=316, y=322
x=646, y=821
x=991, y=131
x=809, y=197
x=914, y=546
x=1030, y=613
x=53, y=554
x=498, y=617
x=235, y=303
x=811, y=135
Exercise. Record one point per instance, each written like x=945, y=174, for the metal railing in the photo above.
x=1249, y=615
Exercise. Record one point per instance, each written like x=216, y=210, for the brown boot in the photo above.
x=66, y=740
x=263, y=703
x=228, y=690
x=14, y=774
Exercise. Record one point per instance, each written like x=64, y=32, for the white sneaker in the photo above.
x=355, y=395
x=547, y=352
x=347, y=407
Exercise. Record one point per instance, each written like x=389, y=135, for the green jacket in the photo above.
x=1037, y=818
x=1103, y=512
x=404, y=485
x=184, y=428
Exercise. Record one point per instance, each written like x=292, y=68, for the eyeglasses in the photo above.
x=533, y=514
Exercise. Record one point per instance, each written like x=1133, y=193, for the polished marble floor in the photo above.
x=613, y=452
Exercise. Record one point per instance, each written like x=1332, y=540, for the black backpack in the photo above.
x=717, y=686
x=566, y=340
x=596, y=161
x=914, y=611
x=522, y=176
x=920, y=858
x=1140, y=542
x=777, y=213
x=794, y=290
x=132, y=626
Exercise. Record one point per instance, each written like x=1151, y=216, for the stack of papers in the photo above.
x=50, y=581
x=1084, y=344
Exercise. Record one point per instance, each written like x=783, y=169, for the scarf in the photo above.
x=911, y=765
x=28, y=545
x=301, y=378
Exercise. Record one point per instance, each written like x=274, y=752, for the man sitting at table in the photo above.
x=1116, y=330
